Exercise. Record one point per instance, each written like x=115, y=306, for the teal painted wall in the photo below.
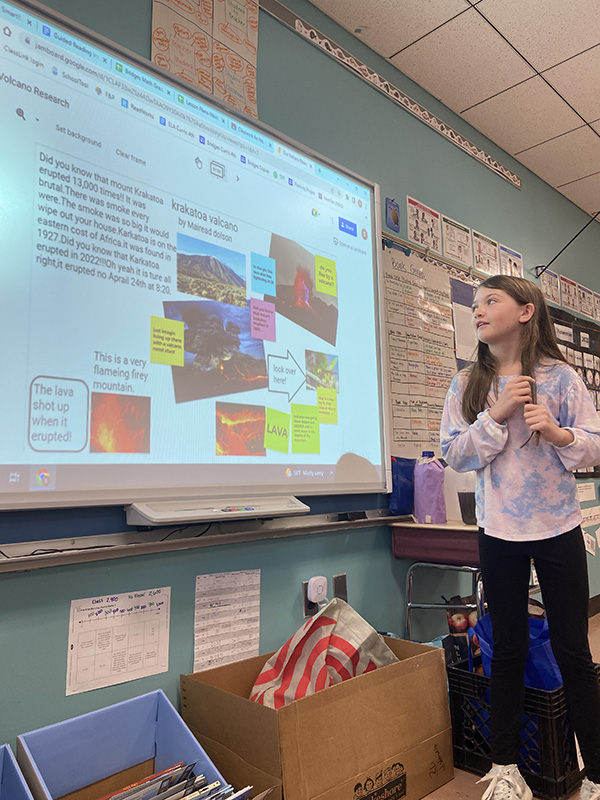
x=35, y=606
x=307, y=96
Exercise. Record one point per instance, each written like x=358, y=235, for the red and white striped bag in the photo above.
x=334, y=645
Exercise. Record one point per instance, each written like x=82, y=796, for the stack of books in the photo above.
x=176, y=782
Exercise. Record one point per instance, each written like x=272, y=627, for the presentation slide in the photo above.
x=190, y=301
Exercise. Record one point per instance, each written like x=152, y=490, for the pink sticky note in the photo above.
x=262, y=316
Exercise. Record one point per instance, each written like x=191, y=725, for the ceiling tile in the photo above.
x=546, y=32
x=584, y=193
x=523, y=116
x=387, y=26
x=577, y=80
x=463, y=62
x=566, y=158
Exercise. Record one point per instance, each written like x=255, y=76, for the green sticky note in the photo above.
x=325, y=275
x=305, y=429
x=277, y=430
x=327, y=405
x=166, y=341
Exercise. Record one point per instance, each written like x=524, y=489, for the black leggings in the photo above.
x=561, y=568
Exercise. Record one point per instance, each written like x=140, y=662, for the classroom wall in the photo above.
x=303, y=93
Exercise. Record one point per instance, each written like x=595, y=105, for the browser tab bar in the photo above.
x=252, y=136
x=295, y=158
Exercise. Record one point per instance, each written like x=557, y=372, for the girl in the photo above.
x=523, y=419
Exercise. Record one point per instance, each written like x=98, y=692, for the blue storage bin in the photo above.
x=70, y=755
x=12, y=782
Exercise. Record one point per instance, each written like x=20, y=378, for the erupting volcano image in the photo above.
x=240, y=430
x=120, y=423
x=303, y=288
x=220, y=354
x=297, y=299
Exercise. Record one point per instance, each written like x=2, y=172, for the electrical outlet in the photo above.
x=308, y=609
x=340, y=588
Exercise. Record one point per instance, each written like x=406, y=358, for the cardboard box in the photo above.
x=12, y=782
x=86, y=757
x=384, y=735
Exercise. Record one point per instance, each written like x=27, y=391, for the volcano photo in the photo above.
x=297, y=298
x=220, y=355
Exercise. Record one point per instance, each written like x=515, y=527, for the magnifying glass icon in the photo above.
x=21, y=113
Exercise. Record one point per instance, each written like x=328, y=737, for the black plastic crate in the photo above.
x=547, y=756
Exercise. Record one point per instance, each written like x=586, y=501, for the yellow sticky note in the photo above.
x=277, y=430
x=305, y=429
x=327, y=405
x=166, y=341
x=325, y=275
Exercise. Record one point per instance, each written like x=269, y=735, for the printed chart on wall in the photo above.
x=550, y=286
x=211, y=44
x=423, y=225
x=227, y=618
x=117, y=638
x=457, y=242
x=420, y=335
x=511, y=262
x=487, y=258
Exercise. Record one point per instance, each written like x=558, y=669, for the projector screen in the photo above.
x=190, y=301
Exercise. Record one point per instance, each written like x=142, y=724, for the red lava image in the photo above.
x=240, y=430
x=303, y=287
x=120, y=423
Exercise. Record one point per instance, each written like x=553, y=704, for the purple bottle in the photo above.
x=430, y=505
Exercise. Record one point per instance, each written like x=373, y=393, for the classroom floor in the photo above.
x=464, y=786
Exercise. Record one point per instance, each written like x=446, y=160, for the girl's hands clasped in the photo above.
x=539, y=419
x=515, y=394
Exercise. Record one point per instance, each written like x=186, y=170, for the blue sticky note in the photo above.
x=262, y=270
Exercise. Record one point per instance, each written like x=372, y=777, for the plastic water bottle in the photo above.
x=430, y=506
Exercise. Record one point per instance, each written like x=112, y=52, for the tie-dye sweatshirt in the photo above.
x=524, y=492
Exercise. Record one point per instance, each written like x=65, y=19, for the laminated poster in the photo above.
x=486, y=256
x=550, y=286
x=568, y=293
x=597, y=306
x=585, y=298
x=211, y=44
x=118, y=638
x=511, y=262
x=590, y=544
x=423, y=225
x=457, y=242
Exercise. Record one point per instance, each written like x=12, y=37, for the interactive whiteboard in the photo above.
x=190, y=300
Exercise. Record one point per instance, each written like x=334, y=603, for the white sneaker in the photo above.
x=589, y=790
x=506, y=783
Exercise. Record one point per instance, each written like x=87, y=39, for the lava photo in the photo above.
x=120, y=423
x=220, y=354
x=240, y=430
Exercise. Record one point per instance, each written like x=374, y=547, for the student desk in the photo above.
x=452, y=546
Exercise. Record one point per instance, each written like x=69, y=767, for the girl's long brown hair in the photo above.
x=537, y=342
